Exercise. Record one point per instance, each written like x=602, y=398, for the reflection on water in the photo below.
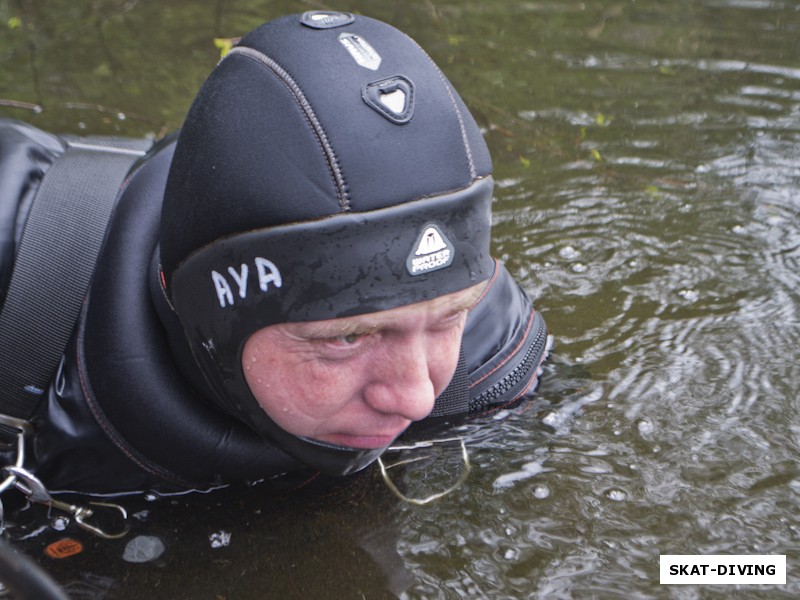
x=646, y=155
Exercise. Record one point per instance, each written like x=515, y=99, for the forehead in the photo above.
x=440, y=307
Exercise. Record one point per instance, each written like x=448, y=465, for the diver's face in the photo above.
x=358, y=381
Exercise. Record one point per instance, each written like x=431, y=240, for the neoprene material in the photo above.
x=280, y=133
x=323, y=171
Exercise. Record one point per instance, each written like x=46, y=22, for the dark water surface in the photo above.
x=647, y=155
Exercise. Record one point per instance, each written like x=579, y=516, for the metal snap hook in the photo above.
x=33, y=489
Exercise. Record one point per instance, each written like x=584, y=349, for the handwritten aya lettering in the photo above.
x=266, y=273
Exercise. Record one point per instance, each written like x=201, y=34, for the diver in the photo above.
x=284, y=287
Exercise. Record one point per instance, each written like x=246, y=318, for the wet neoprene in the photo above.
x=322, y=172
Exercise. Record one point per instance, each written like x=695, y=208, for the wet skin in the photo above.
x=358, y=381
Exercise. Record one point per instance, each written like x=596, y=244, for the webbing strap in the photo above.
x=455, y=398
x=53, y=268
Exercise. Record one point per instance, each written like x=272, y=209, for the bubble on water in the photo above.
x=550, y=419
x=150, y=497
x=645, y=426
x=579, y=268
x=540, y=492
x=507, y=553
x=59, y=523
x=689, y=295
x=616, y=495
x=141, y=515
x=143, y=548
x=569, y=253
x=775, y=220
x=220, y=539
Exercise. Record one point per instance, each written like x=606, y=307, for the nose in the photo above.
x=402, y=379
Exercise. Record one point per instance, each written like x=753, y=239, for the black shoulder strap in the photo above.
x=54, y=265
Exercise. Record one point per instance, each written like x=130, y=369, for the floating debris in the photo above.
x=143, y=548
x=220, y=539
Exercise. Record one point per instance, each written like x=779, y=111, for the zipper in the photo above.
x=515, y=381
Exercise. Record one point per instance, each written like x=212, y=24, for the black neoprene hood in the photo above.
x=327, y=168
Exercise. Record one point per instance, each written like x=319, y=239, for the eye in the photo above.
x=350, y=338
x=346, y=340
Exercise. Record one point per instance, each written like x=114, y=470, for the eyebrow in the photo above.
x=362, y=324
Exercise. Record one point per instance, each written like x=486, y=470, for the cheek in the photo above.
x=292, y=385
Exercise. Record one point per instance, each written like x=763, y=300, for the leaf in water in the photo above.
x=224, y=45
x=526, y=162
x=455, y=40
x=603, y=120
x=14, y=23
x=596, y=155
